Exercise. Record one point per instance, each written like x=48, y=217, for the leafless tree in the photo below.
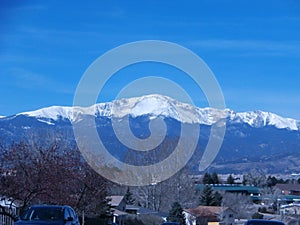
x=32, y=174
x=157, y=197
x=240, y=203
x=256, y=178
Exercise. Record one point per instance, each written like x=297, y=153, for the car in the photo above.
x=170, y=223
x=49, y=215
x=263, y=222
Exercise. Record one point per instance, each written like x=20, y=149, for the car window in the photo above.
x=263, y=222
x=73, y=214
x=67, y=213
x=43, y=213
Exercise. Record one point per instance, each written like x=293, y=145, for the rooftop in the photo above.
x=289, y=187
x=115, y=200
x=231, y=188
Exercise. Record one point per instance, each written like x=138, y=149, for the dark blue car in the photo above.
x=263, y=222
x=49, y=215
x=170, y=223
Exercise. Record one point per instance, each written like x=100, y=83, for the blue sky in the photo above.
x=252, y=47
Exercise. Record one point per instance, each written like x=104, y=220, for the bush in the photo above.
x=262, y=210
x=257, y=215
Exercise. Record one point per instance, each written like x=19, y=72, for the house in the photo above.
x=132, y=209
x=118, y=207
x=290, y=193
x=289, y=189
x=252, y=191
x=202, y=215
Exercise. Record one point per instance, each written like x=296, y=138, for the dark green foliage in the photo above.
x=262, y=209
x=257, y=216
x=245, y=181
x=210, y=178
x=206, y=197
x=129, y=199
x=217, y=199
x=271, y=181
x=207, y=179
x=230, y=179
x=274, y=205
x=215, y=178
x=176, y=214
x=209, y=198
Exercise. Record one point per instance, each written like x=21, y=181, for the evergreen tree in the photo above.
x=176, y=214
x=215, y=178
x=129, y=197
x=217, y=199
x=245, y=181
x=206, y=197
x=271, y=181
x=230, y=179
x=207, y=179
x=257, y=215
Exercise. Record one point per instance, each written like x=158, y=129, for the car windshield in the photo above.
x=44, y=213
x=263, y=222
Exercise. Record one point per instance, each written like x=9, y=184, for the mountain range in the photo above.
x=253, y=140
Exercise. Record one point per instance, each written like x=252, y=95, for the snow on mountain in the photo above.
x=260, y=119
x=155, y=105
x=158, y=105
x=53, y=112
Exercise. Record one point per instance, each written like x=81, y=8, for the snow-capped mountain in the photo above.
x=159, y=105
x=253, y=139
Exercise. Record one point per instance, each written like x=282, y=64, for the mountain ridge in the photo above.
x=159, y=105
x=263, y=139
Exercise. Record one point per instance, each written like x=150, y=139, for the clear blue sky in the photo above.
x=253, y=48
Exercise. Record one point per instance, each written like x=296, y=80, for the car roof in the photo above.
x=261, y=221
x=171, y=223
x=50, y=206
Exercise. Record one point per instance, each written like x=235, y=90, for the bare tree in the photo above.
x=157, y=197
x=240, y=203
x=256, y=178
x=33, y=174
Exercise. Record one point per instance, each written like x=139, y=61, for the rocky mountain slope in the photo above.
x=253, y=139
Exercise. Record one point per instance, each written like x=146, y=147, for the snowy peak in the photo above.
x=261, y=119
x=154, y=106
x=53, y=112
x=158, y=105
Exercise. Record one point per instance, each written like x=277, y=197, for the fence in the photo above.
x=7, y=207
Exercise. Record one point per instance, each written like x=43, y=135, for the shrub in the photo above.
x=257, y=215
